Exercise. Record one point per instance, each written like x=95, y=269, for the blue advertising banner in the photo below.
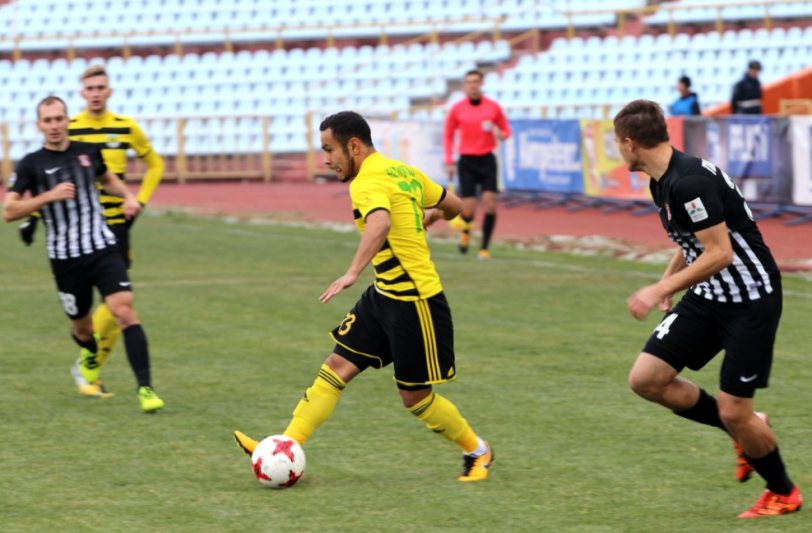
x=544, y=155
x=749, y=151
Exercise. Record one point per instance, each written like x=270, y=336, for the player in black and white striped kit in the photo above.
x=733, y=302
x=61, y=178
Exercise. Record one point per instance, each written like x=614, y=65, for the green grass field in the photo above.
x=544, y=345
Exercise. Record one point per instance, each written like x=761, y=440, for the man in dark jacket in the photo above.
x=746, y=98
x=688, y=102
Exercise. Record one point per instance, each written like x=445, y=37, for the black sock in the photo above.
x=706, y=411
x=135, y=342
x=487, y=229
x=771, y=468
x=89, y=345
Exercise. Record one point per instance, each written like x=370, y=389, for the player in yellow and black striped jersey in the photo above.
x=404, y=317
x=115, y=135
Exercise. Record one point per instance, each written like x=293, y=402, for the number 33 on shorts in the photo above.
x=664, y=328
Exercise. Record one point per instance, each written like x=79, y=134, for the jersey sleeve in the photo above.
x=22, y=180
x=696, y=198
x=433, y=194
x=369, y=196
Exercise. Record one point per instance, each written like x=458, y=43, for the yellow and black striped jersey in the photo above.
x=403, y=267
x=115, y=134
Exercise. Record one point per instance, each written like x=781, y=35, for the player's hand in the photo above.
x=344, y=282
x=63, y=191
x=643, y=301
x=432, y=216
x=28, y=228
x=667, y=303
x=451, y=169
x=131, y=220
x=132, y=208
x=499, y=135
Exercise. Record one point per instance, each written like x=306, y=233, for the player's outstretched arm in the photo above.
x=115, y=187
x=15, y=208
x=375, y=233
x=717, y=256
x=448, y=209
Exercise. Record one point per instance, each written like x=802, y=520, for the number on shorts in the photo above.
x=346, y=324
x=663, y=329
x=68, y=303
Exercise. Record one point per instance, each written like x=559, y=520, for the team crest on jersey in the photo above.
x=113, y=141
x=84, y=160
x=668, y=212
x=696, y=210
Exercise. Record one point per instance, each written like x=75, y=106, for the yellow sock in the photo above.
x=442, y=417
x=104, y=324
x=316, y=406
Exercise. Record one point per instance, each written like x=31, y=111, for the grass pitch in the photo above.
x=544, y=345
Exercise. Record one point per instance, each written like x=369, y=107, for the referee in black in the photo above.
x=733, y=302
x=61, y=178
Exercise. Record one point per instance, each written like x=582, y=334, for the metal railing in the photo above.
x=201, y=147
x=277, y=33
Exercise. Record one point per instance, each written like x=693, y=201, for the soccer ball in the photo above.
x=278, y=462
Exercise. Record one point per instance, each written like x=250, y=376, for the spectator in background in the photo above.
x=746, y=98
x=688, y=102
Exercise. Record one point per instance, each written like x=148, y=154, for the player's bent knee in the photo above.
x=645, y=387
x=735, y=413
x=344, y=368
x=413, y=397
x=124, y=314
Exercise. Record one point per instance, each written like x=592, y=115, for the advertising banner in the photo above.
x=543, y=155
x=604, y=173
x=754, y=151
x=749, y=143
x=418, y=143
x=801, y=141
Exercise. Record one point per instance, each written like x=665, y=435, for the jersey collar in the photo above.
x=374, y=157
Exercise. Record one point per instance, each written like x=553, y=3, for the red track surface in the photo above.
x=330, y=202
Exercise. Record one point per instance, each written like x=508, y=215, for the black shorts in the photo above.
x=75, y=279
x=122, y=233
x=696, y=330
x=418, y=337
x=476, y=170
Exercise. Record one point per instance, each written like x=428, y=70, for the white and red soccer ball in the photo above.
x=278, y=462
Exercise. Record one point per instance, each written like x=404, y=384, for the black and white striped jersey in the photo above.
x=694, y=195
x=75, y=227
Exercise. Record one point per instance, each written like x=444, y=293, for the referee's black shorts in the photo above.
x=417, y=336
x=696, y=330
x=477, y=170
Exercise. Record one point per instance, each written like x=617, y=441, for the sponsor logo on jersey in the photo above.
x=84, y=160
x=668, y=212
x=12, y=179
x=696, y=210
x=113, y=141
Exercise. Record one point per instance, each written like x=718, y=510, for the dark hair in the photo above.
x=48, y=100
x=643, y=122
x=346, y=125
x=474, y=72
x=754, y=64
x=685, y=80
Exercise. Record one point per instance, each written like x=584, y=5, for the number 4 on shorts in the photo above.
x=663, y=329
